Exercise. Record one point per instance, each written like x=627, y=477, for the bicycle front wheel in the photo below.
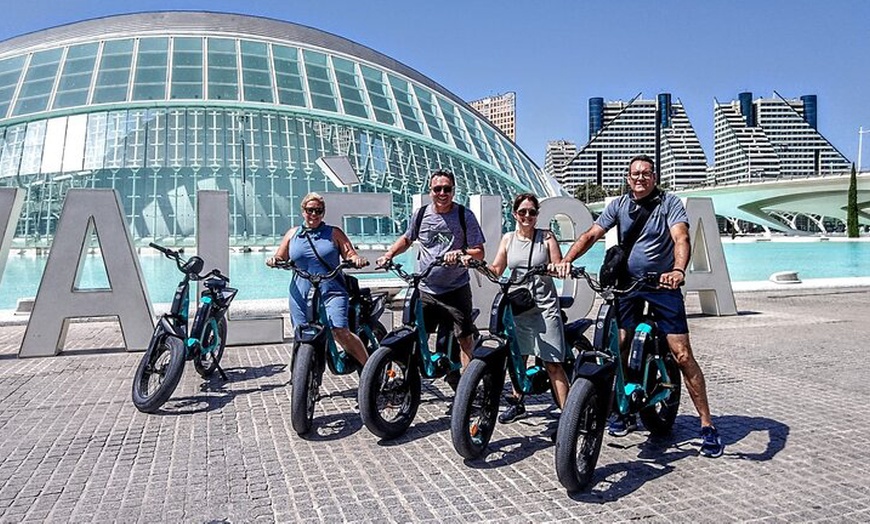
x=579, y=436
x=214, y=341
x=475, y=408
x=389, y=393
x=304, y=390
x=158, y=372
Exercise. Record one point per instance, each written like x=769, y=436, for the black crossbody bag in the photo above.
x=614, y=269
x=521, y=299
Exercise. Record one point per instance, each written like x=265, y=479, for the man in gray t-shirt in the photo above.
x=446, y=292
x=662, y=247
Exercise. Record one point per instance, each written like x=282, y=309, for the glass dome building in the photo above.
x=160, y=105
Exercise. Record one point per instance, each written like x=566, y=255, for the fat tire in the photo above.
x=206, y=364
x=303, y=391
x=581, y=427
x=167, y=374
x=371, y=393
x=475, y=408
x=659, y=419
x=582, y=344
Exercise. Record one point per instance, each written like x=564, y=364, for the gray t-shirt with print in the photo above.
x=440, y=233
x=654, y=249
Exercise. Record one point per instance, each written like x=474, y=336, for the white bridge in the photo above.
x=775, y=204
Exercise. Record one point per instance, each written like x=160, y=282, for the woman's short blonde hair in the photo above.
x=313, y=196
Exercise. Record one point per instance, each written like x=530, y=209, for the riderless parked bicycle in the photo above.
x=162, y=365
x=648, y=385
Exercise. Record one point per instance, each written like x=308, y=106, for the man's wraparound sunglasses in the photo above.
x=531, y=212
x=313, y=210
x=442, y=189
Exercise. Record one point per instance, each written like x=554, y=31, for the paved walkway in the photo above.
x=788, y=381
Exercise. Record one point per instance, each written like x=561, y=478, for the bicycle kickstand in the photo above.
x=221, y=371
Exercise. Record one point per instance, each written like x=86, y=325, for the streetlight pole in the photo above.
x=242, y=119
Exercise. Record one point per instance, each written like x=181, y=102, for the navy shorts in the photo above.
x=666, y=305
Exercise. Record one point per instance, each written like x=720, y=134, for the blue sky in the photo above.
x=556, y=54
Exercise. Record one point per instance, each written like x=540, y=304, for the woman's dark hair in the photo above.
x=526, y=196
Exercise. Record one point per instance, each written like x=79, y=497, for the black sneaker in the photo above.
x=621, y=426
x=513, y=413
x=711, y=444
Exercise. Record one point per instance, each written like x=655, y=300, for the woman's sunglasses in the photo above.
x=313, y=210
x=531, y=212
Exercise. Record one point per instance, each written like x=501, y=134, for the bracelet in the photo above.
x=680, y=270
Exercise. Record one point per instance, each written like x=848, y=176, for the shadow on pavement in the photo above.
x=656, y=455
x=215, y=393
x=333, y=427
x=734, y=428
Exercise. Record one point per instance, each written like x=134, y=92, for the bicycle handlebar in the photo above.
x=649, y=280
x=410, y=277
x=180, y=263
x=483, y=269
x=291, y=265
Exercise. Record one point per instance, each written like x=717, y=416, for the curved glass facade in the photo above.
x=160, y=105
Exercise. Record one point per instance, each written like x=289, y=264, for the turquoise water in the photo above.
x=746, y=262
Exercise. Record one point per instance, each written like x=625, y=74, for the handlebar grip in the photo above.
x=159, y=248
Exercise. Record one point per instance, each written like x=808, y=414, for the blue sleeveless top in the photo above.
x=302, y=254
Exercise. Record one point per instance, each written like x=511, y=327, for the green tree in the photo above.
x=852, y=206
x=590, y=192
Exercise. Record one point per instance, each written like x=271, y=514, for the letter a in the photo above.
x=58, y=299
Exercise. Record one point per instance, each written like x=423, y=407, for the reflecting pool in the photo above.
x=747, y=261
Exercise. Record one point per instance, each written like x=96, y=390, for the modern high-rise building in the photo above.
x=160, y=105
x=501, y=111
x=619, y=130
x=559, y=153
x=771, y=138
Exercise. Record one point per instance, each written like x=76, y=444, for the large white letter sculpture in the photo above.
x=212, y=240
x=355, y=205
x=11, y=200
x=573, y=218
x=708, y=271
x=59, y=300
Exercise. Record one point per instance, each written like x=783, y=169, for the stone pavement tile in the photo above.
x=67, y=429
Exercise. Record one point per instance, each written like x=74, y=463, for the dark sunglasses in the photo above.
x=442, y=189
x=531, y=212
x=313, y=210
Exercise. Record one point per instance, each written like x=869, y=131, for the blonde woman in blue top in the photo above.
x=309, y=246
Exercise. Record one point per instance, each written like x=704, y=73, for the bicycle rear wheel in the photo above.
x=659, y=418
x=579, y=436
x=206, y=363
x=158, y=372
